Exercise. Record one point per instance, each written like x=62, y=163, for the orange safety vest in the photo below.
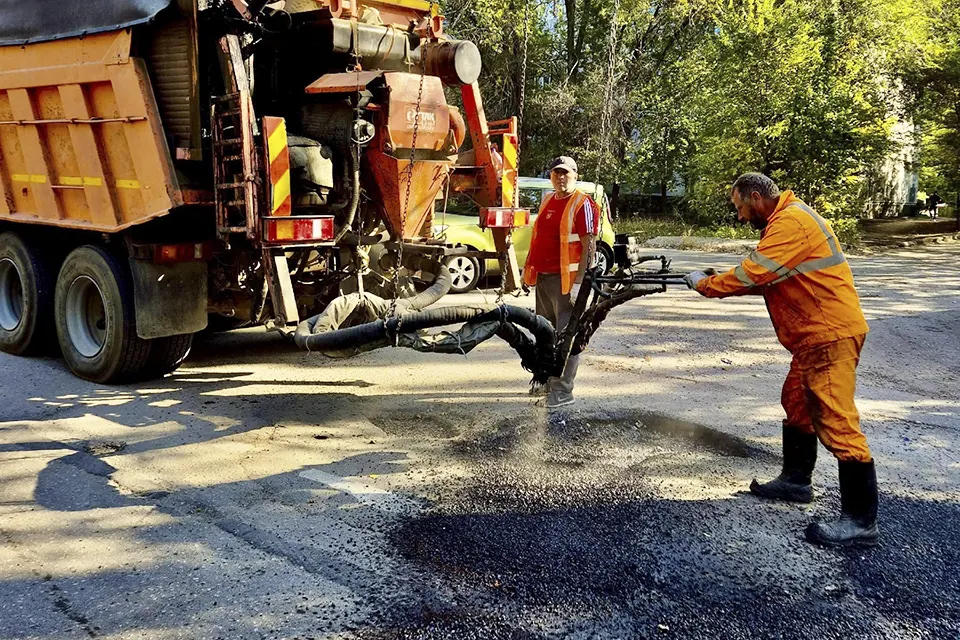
x=805, y=279
x=570, y=248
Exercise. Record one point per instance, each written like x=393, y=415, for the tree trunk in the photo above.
x=571, y=7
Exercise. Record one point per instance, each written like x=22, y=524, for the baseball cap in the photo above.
x=564, y=162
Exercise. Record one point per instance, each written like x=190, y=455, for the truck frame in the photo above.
x=167, y=165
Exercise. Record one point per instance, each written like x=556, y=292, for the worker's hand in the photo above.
x=694, y=278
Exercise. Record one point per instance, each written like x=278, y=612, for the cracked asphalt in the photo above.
x=260, y=492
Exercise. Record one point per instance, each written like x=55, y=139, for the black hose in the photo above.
x=380, y=330
x=440, y=287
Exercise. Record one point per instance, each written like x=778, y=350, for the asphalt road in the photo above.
x=261, y=492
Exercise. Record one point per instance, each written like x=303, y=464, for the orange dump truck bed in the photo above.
x=81, y=141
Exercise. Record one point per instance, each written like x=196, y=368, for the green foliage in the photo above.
x=646, y=228
x=847, y=231
x=656, y=95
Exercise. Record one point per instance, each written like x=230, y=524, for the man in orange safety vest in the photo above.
x=807, y=284
x=562, y=246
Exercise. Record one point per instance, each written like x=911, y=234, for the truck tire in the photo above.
x=166, y=354
x=26, y=297
x=95, y=318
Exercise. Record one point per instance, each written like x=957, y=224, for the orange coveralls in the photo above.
x=808, y=287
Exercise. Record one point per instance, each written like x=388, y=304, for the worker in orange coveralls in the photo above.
x=807, y=284
x=563, y=245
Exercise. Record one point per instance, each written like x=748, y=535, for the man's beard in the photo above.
x=757, y=221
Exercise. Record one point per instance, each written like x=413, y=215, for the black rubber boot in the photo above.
x=799, y=458
x=857, y=526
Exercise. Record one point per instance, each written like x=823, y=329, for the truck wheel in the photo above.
x=95, y=318
x=26, y=297
x=166, y=354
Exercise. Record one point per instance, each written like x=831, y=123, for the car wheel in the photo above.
x=95, y=317
x=26, y=296
x=464, y=271
x=604, y=258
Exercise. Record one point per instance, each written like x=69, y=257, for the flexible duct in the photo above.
x=537, y=357
x=357, y=308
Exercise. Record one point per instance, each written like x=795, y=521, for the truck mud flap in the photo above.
x=170, y=299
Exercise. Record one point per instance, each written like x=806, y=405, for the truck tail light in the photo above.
x=169, y=253
x=503, y=217
x=300, y=229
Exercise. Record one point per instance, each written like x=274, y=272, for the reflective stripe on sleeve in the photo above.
x=770, y=265
x=742, y=276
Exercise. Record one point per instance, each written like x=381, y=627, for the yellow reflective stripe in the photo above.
x=281, y=190
x=28, y=177
x=77, y=181
x=277, y=141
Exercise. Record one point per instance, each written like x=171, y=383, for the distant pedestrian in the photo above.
x=933, y=200
x=808, y=287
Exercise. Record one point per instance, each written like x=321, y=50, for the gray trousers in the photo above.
x=556, y=307
x=552, y=304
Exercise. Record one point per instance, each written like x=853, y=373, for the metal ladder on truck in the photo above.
x=238, y=189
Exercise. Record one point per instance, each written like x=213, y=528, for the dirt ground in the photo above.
x=261, y=492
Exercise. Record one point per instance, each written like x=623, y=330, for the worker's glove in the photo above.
x=694, y=278
x=574, y=292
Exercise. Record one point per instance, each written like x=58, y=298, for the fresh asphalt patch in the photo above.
x=592, y=526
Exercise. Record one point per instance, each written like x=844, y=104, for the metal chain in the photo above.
x=523, y=70
x=503, y=277
x=608, y=89
x=406, y=204
x=522, y=100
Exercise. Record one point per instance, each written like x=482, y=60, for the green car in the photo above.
x=459, y=226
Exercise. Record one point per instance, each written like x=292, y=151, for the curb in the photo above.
x=931, y=240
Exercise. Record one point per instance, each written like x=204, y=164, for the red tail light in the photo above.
x=503, y=217
x=169, y=253
x=317, y=229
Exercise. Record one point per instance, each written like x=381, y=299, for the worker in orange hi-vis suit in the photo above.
x=807, y=284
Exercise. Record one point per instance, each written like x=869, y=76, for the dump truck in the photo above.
x=167, y=165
